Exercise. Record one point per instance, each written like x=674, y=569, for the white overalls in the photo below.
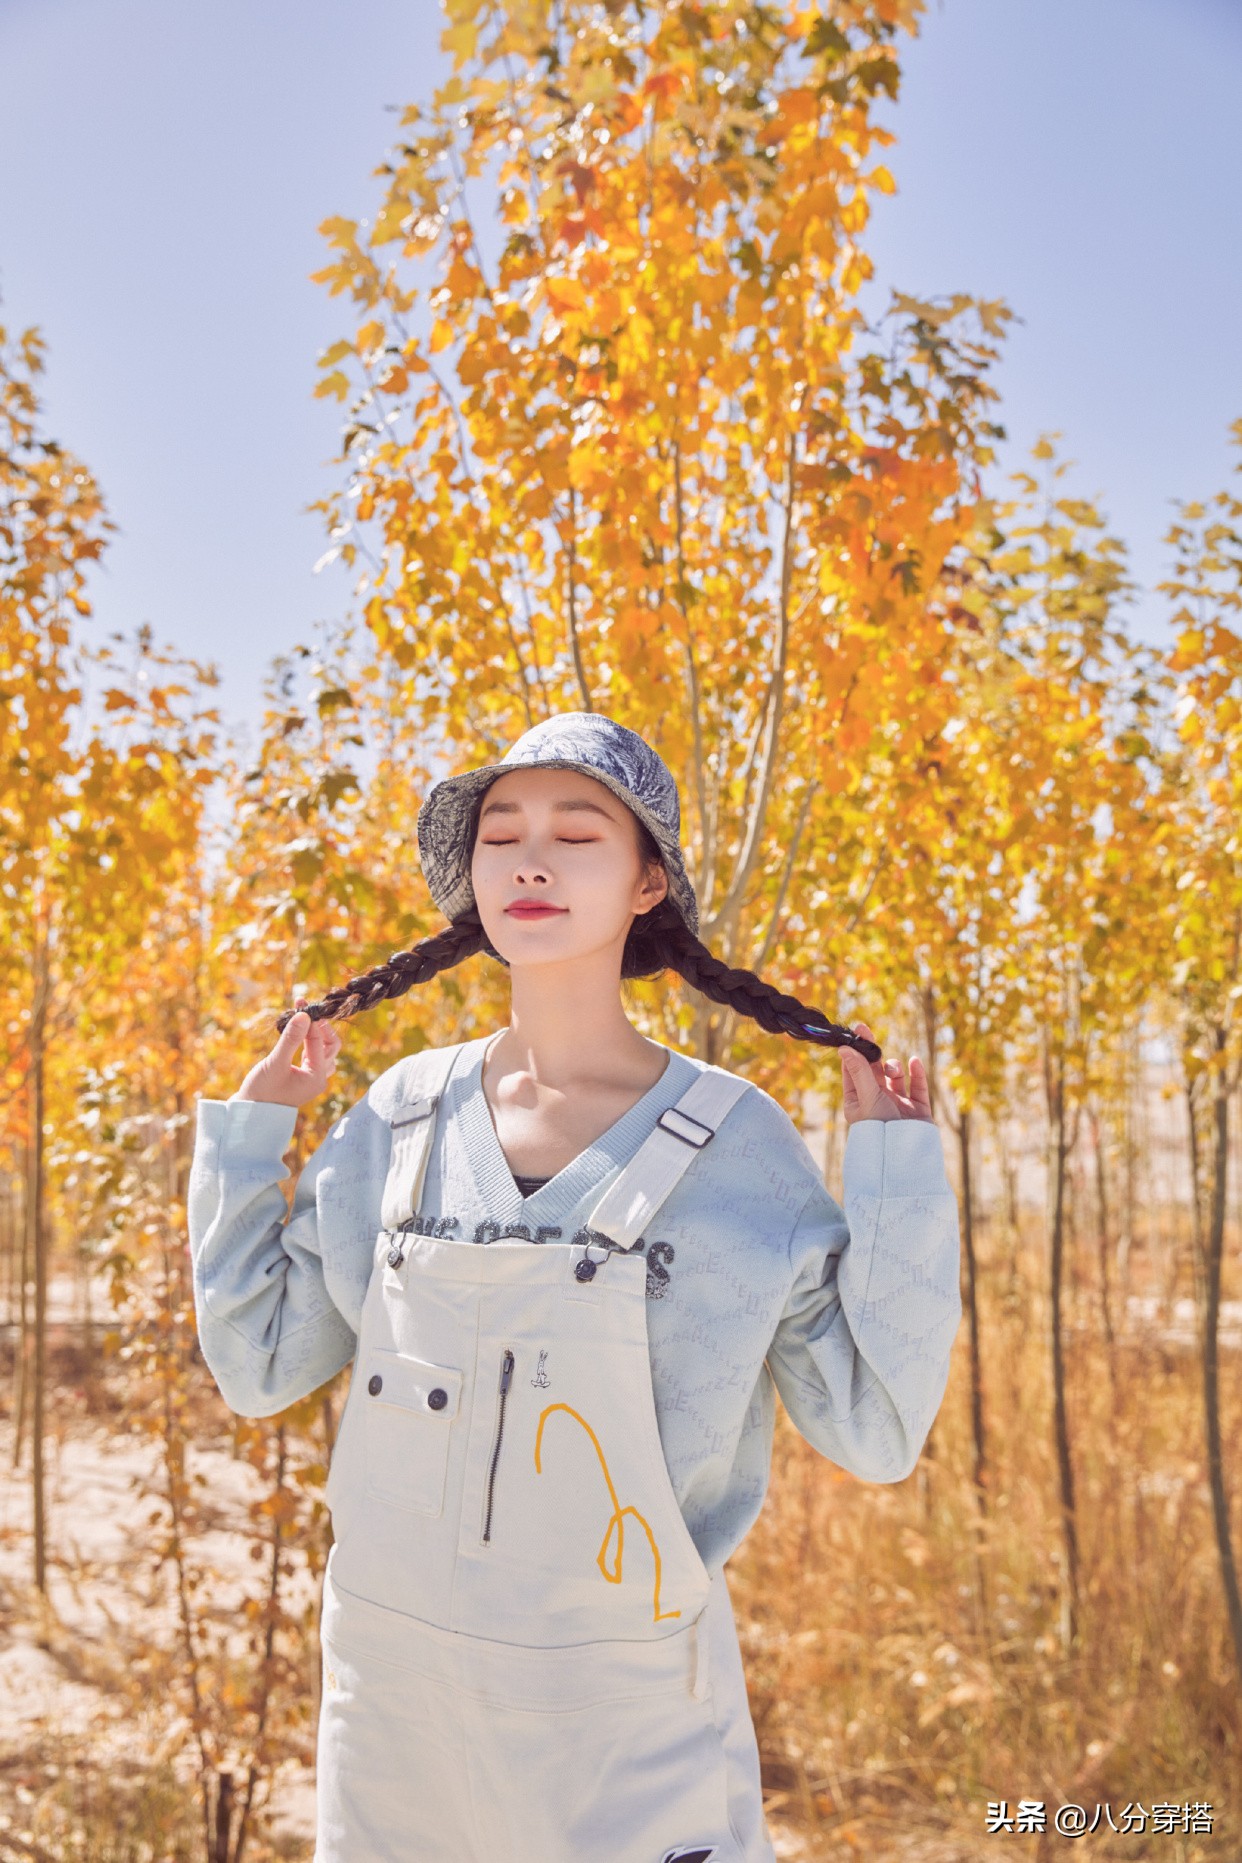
x=524, y=1655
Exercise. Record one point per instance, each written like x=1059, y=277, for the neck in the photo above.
x=567, y=1024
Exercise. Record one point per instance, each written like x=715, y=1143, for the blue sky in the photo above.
x=163, y=169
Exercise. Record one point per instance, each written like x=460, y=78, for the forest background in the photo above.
x=652, y=460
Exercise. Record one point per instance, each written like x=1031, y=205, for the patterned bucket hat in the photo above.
x=587, y=741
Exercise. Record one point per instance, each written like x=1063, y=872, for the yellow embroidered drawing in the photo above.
x=618, y=1512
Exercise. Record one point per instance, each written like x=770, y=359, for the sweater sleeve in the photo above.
x=860, y=1355
x=278, y=1291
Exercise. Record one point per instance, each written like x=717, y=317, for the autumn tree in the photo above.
x=90, y=805
x=52, y=525
x=1202, y=873
x=649, y=456
x=1088, y=949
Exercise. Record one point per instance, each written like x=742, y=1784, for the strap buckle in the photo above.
x=422, y=1109
x=399, y=1238
x=687, y=1138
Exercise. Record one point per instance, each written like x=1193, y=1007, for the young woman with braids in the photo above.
x=571, y=1268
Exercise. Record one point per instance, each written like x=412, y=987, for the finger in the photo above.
x=859, y=1080
x=318, y=1053
x=877, y=1067
x=293, y=1033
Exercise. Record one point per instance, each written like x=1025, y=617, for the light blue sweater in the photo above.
x=755, y=1276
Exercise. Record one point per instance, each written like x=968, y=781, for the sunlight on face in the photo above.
x=559, y=838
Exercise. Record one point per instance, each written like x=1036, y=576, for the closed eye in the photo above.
x=563, y=837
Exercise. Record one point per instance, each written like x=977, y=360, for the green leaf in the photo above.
x=827, y=41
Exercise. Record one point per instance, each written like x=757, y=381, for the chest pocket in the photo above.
x=409, y=1405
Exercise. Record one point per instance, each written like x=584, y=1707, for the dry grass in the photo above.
x=906, y=1652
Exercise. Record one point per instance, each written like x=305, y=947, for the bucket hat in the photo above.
x=587, y=741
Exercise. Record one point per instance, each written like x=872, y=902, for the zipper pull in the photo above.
x=506, y=1371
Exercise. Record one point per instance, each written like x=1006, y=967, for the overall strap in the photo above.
x=658, y=1165
x=413, y=1125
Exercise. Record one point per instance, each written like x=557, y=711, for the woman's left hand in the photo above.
x=876, y=1089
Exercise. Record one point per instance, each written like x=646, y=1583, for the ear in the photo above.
x=657, y=878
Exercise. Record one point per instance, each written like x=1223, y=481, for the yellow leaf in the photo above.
x=461, y=42
x=882, y=178
x=369, y=337
x=1188, y=650
x=564, y=294
x=392, y=218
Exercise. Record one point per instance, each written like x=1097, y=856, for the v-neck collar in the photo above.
x=565, y=1191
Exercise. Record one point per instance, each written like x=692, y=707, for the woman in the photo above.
x=556, y=1437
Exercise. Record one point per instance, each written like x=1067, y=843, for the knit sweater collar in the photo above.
x=556, y=1199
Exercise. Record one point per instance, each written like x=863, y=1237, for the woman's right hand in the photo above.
x=277, y=1080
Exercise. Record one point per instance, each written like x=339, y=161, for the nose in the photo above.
x=529, y=866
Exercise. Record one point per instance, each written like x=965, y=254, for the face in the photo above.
x=559, y=838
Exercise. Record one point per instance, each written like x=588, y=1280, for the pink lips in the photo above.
x=533, y=912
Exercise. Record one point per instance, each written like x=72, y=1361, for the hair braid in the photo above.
x=667, y=943
x=658, y=940
x=459, y=940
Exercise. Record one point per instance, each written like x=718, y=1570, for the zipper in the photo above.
x=506, y=1373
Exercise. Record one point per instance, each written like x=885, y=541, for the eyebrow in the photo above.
x=577, y=804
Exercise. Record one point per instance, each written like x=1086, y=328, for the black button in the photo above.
x=437, y=1398
x=585, y=1269
x=376, y=1385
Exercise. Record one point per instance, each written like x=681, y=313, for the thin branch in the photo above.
x=765, y=949
x=575, y=647
x=692, y=671
x=775, y=712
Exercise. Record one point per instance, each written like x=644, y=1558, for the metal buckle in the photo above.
x=423, y=1109
x=400, y=1236
x=585, y=1269
x=709, y=1132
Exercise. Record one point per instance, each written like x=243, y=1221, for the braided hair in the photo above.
x=658, y=940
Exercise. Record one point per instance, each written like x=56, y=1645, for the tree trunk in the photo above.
x=1064, y=1464
x=38, y=1024
x=1102, y=1225
x=223, y=1818
x=1211, y=1363
x=21, y=1367
x=1198, y=1243
x=10, y=1247
x=1009, y=1184
x=978, y=1429
x=1133, y=1087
